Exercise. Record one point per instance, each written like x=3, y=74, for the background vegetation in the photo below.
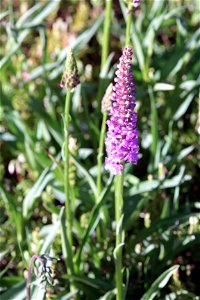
x=161, y=203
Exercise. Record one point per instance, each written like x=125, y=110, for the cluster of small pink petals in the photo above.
x=122, y=135
x=136, y=3
x=132, y=4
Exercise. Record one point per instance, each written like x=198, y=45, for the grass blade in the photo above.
x=85, y=173
x=36, y=191
x=94, y=219
x=159, y=283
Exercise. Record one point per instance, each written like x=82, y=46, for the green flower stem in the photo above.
x=105, y=46
x=68, y=208
x=104, y=56
x=106, y=33
x=67, y=240
x=154, y=128
x=101, y=231
x=67, y=254
x=100, y=154
x=119, y=235
x=128, y=29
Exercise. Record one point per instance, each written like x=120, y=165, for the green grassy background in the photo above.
x=161, y=194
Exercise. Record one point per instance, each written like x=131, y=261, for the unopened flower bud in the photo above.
x=106, y=101
x=70, y=77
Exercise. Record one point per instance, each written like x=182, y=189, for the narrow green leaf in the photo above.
x=15, y=215
x=115, y=252
x=144, y=186
x=156, y=8
x=119, y=224
x=28, y=15
x=182, y=154
x=109, y=295
x=164, y=224
x=43, y=10
x=97, y=284
x=135, y=39
x=94, y=219
x=138, y=49
x=69, y=296
x=36, y=191
x=3, y=253
x=38, y=292
x=159, y=283
x=4, y=270
x=183, y=107
x=78, y=45
x=51, y=235
x=186, y=295
x=3, y=14
x=18, y=292
x=106, y=67
x=163, y=87
x=86, y=36
x=67, y=253
x=166, y=209
x=85, y=173
x=154, y=127
x=153, y=27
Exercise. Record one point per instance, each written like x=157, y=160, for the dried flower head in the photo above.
x=43, y=272
x=122, y=135
x=70, y=78
x=106, y=101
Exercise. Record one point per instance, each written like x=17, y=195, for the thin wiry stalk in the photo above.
x=66, y=170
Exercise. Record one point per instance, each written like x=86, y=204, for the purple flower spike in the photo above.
x=122, y=135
